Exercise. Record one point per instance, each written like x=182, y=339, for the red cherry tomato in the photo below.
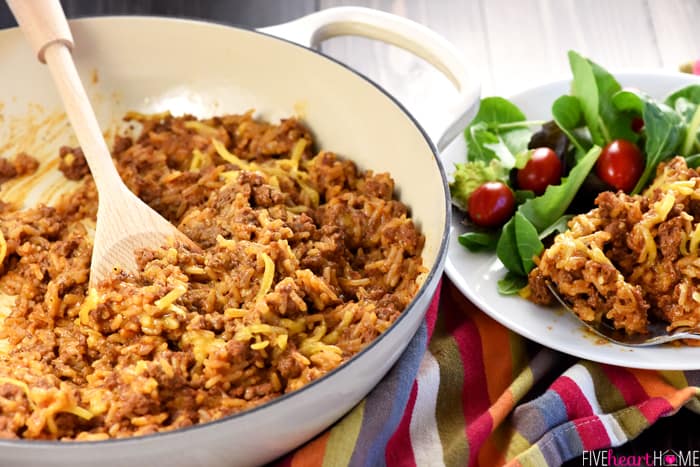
x=637, y=124
x=620, y=165
x=491, y=205
x=543, y=169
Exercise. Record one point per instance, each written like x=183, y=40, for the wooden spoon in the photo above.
x=124, y=222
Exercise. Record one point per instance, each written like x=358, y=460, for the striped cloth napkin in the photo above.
x=469, y=392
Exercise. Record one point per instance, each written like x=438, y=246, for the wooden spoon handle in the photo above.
x=43, y=22
x=45, y=25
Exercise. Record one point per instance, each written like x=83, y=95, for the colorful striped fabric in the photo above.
x=469, y=392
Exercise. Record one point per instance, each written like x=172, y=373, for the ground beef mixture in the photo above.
x=633, y=258
x=304, y=260
x=22, y=164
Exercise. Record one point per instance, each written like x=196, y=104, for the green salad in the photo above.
x=524, y=179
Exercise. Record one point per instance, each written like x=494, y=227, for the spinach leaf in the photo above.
x=664, y=133
x=544, y=210
x=690, y=112
x=693, y=161
x=663, y=126
x=507, y=249
x=478, y=139
x=498, y=131
x=686, y=102
x=479, y=241
x=664, y=129
x=568, y=115
x=558, y=226
x=615, y=123
x=515, y=139
x=691, y=93
x=511, y=284
x=595, y=87
x=518, y=245
x=503, y=153
x=527, y=240
x=629, y=100
x=584, y=87
x=496, y=110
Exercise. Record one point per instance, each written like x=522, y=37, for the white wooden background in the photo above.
x=513, y=44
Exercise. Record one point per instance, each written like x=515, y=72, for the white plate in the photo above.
x=476, y=274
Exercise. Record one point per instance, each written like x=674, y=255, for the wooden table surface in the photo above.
x=509, y=45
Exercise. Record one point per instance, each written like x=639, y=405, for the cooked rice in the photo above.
x=632, y=259
x=304, y=261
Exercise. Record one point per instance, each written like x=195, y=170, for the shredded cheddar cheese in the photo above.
x=227, y=156
x=3, y=247
x=268, y=276
x=171, y=297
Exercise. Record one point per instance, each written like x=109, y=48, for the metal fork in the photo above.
x=657, y=335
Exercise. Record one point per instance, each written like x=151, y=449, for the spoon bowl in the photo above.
x=657, y=334
x=125, y=224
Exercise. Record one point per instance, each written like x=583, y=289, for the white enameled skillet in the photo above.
x=152, y=64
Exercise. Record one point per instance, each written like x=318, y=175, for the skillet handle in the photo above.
x=313, y=29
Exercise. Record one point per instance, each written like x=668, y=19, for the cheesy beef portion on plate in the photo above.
x=632, y=259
